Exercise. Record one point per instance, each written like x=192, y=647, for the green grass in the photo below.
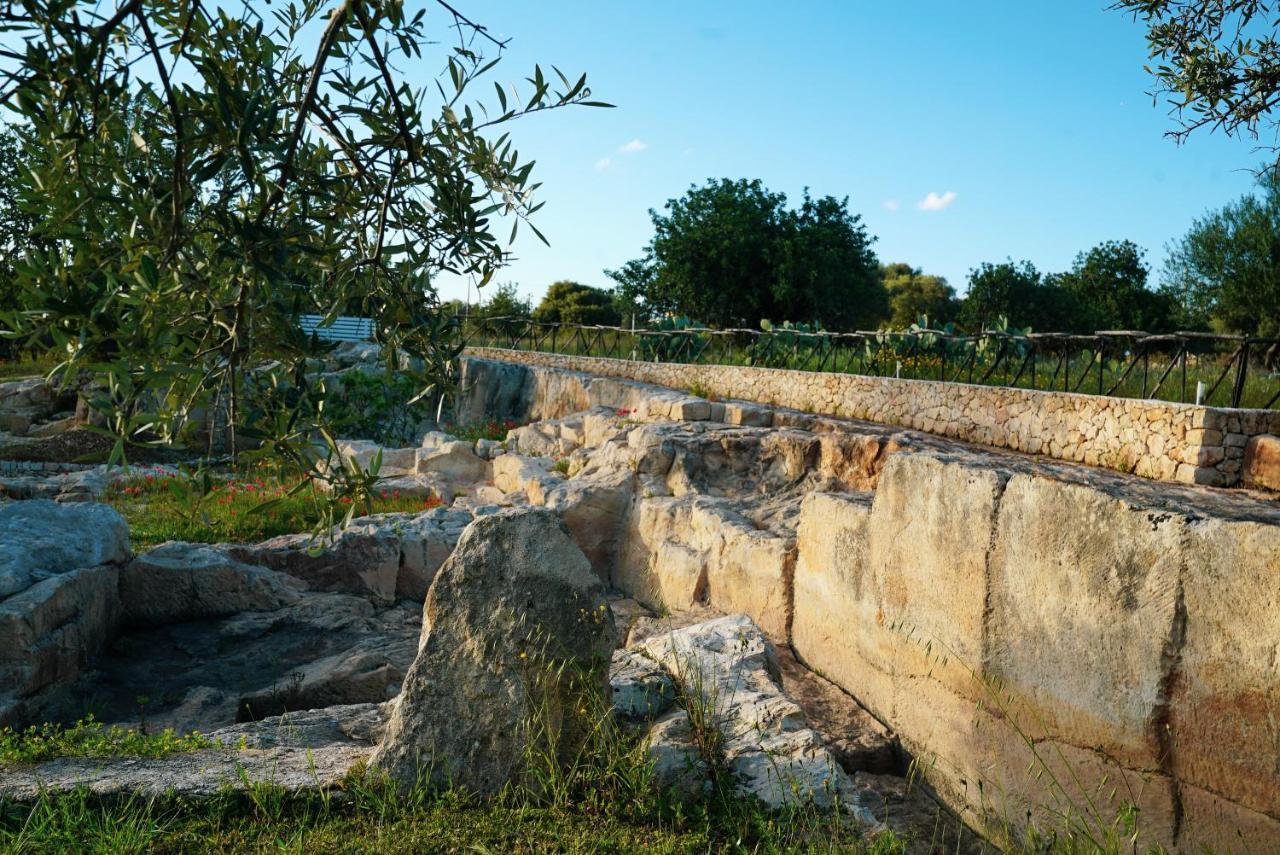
x=493, y=430
x=90, y=738
x=375, y=821
x=27, y=367
x=160, y=507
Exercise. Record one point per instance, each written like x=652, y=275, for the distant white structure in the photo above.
x=343, y=328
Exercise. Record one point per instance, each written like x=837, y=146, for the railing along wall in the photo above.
x=1186, y=367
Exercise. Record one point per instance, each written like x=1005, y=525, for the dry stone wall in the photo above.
x=1153, y=439
x=1046, y=639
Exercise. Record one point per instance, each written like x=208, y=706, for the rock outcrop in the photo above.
x=727, y=671
x=515, y=624
x=40, y=538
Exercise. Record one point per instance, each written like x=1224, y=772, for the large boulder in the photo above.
x=455, y=461
x=360, y=560
x=179, y=581
x=516, y=626
x=40, y=538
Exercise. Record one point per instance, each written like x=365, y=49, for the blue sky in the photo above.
x=1029, y=123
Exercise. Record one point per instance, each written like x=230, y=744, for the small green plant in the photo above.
x=90, y=738
x=493, y=430
x=698, y=390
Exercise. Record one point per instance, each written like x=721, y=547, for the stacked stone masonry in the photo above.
x=1152, y=439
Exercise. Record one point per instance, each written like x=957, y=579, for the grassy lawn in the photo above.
x=159, y=507
x=269, y=821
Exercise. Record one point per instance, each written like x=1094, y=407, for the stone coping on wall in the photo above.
x=1153, y=439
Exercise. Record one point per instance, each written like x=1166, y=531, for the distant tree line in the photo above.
x=734, y=254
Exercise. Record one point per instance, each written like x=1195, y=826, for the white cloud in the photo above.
x=603, y=163
x=891, y=204
x=633, y=147
x=934, y=202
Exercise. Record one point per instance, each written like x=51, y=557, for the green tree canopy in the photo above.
x=504, y=302
x=1014, y=291
x=1215, y=61
x=1225, y=272
x=1107, y=288
x=913, y=294
x=574, y=303
x=16, y=226
x=203, y=175
x=731, y=253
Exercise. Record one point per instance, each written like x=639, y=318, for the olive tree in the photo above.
x=1216, y=62
x=202, y=174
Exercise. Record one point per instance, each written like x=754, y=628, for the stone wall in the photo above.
x=1045, y=639
x=1153, y=439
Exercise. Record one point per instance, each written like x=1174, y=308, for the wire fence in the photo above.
x=1188, y=367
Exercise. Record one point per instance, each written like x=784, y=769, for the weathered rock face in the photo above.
x=51, y=632
x=178, y=582
x=1262, y=462
x=40, y=538
x=1111, y=634
x=681, y=552
x=363, y=562
x=593, y=508
x=23, y=403
x=515, y=596
x=732, y=668
x=641, y=688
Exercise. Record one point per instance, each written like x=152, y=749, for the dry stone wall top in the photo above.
x=1153, y=439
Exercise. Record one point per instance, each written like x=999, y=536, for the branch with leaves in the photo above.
x=201, y=177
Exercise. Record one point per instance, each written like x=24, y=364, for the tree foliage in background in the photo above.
x=574, y=303
x=1014, y=291
x=1217, y=62
x=731, y=253
x=913, y=294
x=15, y=227
x=200, y=176
x=504, y=302
x=1225, y=272
x=1106, y=288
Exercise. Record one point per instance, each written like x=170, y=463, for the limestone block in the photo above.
x=1226, y=700
x=51, y=631
x=593, y=508
x=455, y=461
x=1084, y=605
x=1262, y=462
x=178, y=582
x=515, y=472
x=39, y=538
